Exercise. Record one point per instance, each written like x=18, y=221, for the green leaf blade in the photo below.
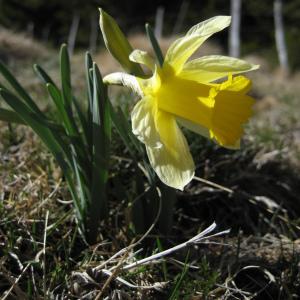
x=18, y=88
x=10, y=117
x=155, y=45
x=100, y=153
x=65, y=73
x=42, y=74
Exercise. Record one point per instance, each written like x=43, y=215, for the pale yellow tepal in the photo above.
x=186, y=93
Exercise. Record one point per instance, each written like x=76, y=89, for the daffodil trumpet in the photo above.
x=188, y=93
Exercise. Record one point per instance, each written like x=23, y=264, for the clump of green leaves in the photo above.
x=79, y=138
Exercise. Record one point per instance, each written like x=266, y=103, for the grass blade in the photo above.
x=89, y=84
x=82, y=119
x=56, y=97
x=68, y=98
x=78, y=146
x=19, y=89
x=65, y=73
x=179, y=279
x=89, y=81
x=101, y=141
x=155, y=45
x=30, y=104
x=122, y=128
x=29, y=118
x=42, y=74
x=53, y=143
x=10, y=116
x=77, y=151
x=73, y=138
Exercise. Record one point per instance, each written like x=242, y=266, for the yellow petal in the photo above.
x=231, y=111
x=172, y=162
x=143, y=123
x=197, y=128
x=210, y=26
x=213, y=67
x=205, y=132
x=183, y=48
x=119, y=78
x=169, y=171
x=142, y=57
x=239, y=84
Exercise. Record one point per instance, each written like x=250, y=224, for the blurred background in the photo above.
x=54, y=22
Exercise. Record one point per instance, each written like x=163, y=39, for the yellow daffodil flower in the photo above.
x=187, y=93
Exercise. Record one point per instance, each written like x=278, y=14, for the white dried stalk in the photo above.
x=195, y=240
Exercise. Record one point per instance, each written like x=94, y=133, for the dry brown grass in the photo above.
x=19, y=46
